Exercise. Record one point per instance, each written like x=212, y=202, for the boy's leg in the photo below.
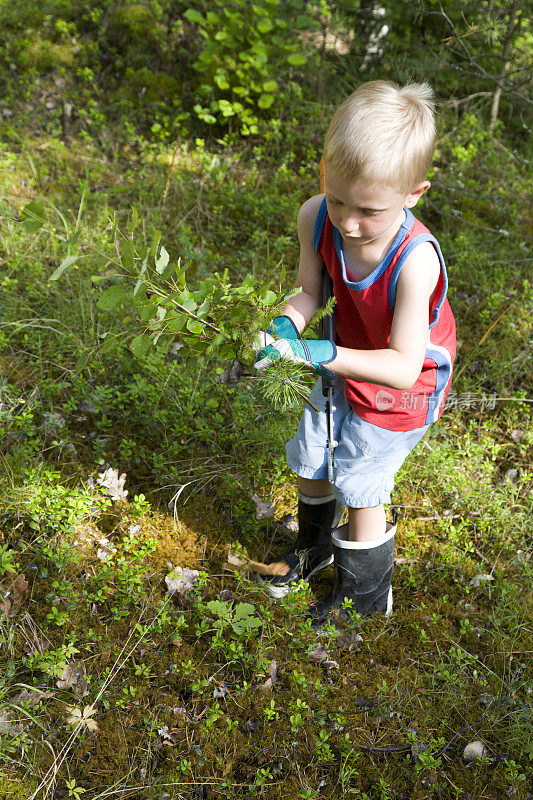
x=363, y=552
x=319, y=487
x=319, y=513
x=366, y=524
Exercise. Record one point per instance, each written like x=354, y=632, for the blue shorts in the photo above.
x=366, y=458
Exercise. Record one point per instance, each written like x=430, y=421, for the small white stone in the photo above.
x=475, y=750
x=477, y=580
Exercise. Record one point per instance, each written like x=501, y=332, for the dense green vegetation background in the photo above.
x=125, y=127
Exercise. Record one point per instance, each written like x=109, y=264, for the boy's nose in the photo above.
x=350, y=224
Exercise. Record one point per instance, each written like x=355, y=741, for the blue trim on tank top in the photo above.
x=358, y=286
x=421, y=237
x=441, y=356
x=319, y=224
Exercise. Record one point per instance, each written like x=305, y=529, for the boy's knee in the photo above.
x=314, y=487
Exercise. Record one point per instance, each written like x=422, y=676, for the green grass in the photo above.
x=177, y=685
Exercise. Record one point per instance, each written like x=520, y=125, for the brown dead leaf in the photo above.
x=73, y=677
x=13, y=594
x=319, y=655
x=267, y=685
x=35, y=645
x=181, y=581
x=83, y=719
x=168, y=735
x=6, y=723
x=237, y=563
x=113, y=484
x=30, y=697
x=349, y=640
x=263, y=510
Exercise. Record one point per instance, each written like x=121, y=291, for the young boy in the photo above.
x=394, y=343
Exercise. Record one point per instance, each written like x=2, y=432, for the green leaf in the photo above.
x=267, y=297
x=112, y=297
x=265, y=100
x=193, y=16
x=265, y=25
x=72, y=240
x=188, y=304
x=270, y=86
x=243, y=610
x=221, y=81
x=194, y=326
x=65, y=264
x=204, y=308
x=146, y=308
x=219, y=608
x=176, y=323
x=82, y=362
x=140, y=345
x=161, y=260
x=297, y=59
x=33, y=215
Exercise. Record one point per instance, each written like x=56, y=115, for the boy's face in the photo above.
x=366, y=213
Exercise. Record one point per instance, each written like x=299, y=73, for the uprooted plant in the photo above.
x=217, y=319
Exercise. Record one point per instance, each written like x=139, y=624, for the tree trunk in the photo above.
x=512, y=28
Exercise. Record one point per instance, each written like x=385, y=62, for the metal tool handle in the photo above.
x=327, y=323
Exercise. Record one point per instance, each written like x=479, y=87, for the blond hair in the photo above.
x=383, y=133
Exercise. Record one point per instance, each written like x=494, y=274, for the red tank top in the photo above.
x=363, y=315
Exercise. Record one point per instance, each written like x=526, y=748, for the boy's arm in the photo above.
x=400, y=364
x=303, y=305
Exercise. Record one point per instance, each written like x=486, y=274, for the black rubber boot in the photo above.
x=312, y=551
x=363, y=572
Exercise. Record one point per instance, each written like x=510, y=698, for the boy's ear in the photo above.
x=414, y=196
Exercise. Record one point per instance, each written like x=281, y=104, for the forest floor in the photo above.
x=123, y=677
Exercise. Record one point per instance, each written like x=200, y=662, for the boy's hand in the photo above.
x=283, y=328
x=314, y=354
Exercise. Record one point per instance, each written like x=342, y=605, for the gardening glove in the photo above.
x=283, y=328
x=314, y=354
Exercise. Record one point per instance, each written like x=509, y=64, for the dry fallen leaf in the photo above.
x=6, y=723
x=181, y=580
x=83, y=718
x=113, y=484
x=168, y=735
x=73, y=677
x=105, y=550
x=349, y=640
x=263, y=510
x=477, y=580
x=234, y=563
x=319, y=655
x=30, y=697
x=13, y=594
x=35, y=645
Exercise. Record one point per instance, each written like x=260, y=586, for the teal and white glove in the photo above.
x=314, y=354
x=283, y=328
